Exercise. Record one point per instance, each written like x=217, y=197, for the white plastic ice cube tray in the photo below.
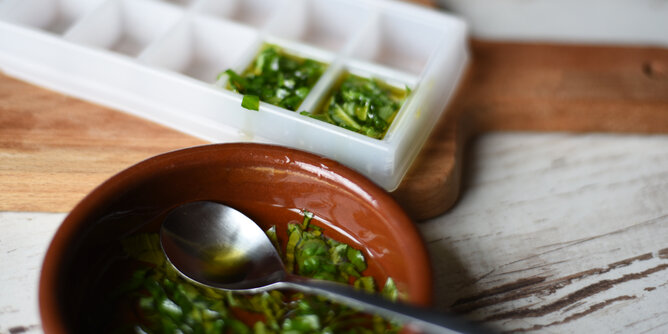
x=160, y=60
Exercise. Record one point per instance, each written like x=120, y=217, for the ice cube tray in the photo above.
x=160, y=60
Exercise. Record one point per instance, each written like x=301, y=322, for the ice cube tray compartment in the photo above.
x=255, y=13
x=161, y=59
x=124, y=26
x=200, y=47
x=181, y=2
x=392, y=41
x=322, y=23
x=55, y=16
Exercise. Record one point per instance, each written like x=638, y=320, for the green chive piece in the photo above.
x=251, y=102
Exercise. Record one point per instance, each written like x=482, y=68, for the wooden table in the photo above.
x=552, y=232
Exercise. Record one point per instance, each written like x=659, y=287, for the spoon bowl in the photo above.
x=215, y=245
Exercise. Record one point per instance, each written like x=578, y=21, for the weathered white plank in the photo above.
x=24, y=238
x=558, y=233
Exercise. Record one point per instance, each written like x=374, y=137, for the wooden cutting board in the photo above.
x=55, y=149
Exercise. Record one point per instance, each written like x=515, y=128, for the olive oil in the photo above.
x=225, y=264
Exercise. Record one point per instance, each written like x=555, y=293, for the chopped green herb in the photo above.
x=390, y=290
x=366, y=283
x=251, y=102
x=276, y=77
x=166, y=303
x=363, y=105
x=356, y=258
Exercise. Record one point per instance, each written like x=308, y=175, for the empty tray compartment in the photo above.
x=124, y=26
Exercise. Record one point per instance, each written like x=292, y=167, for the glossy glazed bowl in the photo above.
x=271, y=184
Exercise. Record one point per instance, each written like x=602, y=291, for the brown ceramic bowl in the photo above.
x=270, y=184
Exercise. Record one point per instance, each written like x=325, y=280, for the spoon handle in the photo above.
x=423, y=319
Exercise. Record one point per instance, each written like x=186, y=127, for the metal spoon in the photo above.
x=217, y=246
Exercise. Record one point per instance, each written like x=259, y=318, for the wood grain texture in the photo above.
x=538, y=87
x=55, y=149
x=558, y=233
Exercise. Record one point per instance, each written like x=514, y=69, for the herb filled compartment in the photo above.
x=275, y=76
x=363, y=104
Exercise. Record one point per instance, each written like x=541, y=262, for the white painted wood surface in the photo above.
x=561, y=233
x=24, y=238
x=554, y=233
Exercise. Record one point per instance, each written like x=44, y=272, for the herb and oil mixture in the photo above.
x=364, y=105
x=275, y=77
x=163, y=302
